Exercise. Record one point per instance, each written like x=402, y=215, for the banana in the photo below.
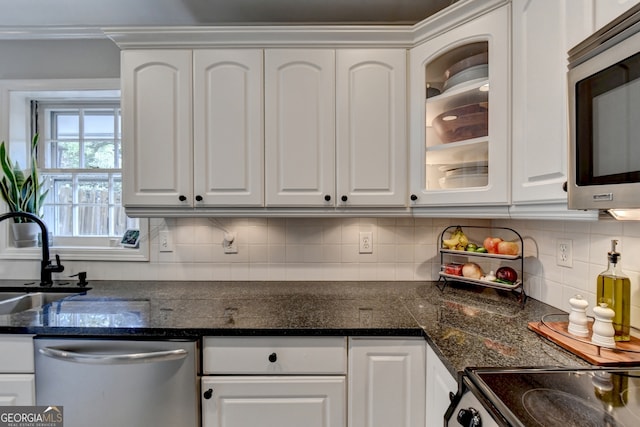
x=458, y=240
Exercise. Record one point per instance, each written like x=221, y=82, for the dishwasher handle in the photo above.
x=114, y=359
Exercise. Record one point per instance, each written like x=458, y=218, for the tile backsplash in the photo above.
x=321, y=249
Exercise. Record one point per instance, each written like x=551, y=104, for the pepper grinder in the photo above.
x=603, y=331
x=578, y=320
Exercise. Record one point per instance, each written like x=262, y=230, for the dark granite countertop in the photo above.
x=465, y=325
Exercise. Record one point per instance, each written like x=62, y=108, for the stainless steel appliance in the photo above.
x=106, y=383
x=604, y=106
x=564, y=397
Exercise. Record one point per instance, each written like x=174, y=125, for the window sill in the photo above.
x=80, y=253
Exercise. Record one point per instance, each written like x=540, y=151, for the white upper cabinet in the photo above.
x=299, y=127
x=607, y=10
x=192, y=143
x=156, y=127
x=371, y=127
x=335, y=127
x=228, y=132
x=460, y=114
x=540, y=131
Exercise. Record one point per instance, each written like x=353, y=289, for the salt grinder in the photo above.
x=603, y=331
x=578, y=317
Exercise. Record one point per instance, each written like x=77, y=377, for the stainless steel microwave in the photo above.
x=604, y=117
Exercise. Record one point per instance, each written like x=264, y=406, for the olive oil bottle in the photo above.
x=614, y=289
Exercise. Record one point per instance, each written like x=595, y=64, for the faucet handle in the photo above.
x=58, y=267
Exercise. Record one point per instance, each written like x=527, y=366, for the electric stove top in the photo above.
x=557, y=396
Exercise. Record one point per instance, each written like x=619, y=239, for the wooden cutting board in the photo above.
x=625, y=353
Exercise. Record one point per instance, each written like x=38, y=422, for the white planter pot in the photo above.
x=25, y=234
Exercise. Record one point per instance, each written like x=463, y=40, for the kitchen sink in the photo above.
x=15, y=302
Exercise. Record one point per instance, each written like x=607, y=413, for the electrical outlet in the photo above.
x=564, y=252
x=229, y=244
x=165, y=241
x=366, y=242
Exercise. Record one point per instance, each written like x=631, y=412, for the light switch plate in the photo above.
x=165, y=242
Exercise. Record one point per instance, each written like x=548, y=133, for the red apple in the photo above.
x=508, y=248
x=491, y=244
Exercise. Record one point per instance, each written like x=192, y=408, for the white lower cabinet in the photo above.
x=387, y=382
x=274, y=381
x=17, y=380
x=283, y=401
x=440, y=383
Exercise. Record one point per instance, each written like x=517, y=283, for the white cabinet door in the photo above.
x=273, y=401
x=439, y=384
x=157, y=128
x=386, y=382
x=482, y=153
x=299, y=127
x=539, y=101
x=608, y=10
x=17, y=382
x=371, y=127
x=17, y=389
x=228, y=131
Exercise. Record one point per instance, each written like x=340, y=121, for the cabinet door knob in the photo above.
x=207, y=394
x=198, y=198
x=273, y=357
x=414, y=197
x=182, y=198
x=344, y=198
x=327, y=197
x=564, y=186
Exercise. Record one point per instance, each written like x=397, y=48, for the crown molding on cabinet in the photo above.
x=358, y=36
x=451, y=17
x=262, y=36
x=51, y=33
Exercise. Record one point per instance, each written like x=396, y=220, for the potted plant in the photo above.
x=22, y=190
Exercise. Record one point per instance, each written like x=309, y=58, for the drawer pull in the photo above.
x=208, y=394
x=273, y=357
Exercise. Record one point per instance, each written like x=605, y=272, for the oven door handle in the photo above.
x=114, y=359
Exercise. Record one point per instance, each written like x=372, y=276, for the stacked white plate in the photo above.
x=464, y=175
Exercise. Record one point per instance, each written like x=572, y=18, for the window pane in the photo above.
x=98, y=125
x=68, y=155
x=67, y=126
x=93, y=206
x=63, y=223
x=99, y=154
x=86, y=201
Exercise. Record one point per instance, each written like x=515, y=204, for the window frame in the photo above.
x=15, y=128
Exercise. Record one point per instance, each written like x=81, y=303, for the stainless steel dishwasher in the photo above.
x=106, y=383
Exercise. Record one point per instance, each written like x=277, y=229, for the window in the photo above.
x=80, y=158
x=78, y=122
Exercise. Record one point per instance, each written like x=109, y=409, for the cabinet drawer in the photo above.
x=16, y=353
x=274, y=355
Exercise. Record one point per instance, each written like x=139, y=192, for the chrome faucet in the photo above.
x=46, y=268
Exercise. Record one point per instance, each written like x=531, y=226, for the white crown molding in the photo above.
x=230, y=36
x=453, y=16
x=262, y=36
x=50, y=33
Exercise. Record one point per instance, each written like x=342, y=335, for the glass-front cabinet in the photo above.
x=460, y=115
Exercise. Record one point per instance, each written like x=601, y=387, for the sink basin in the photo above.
x=15, y=302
